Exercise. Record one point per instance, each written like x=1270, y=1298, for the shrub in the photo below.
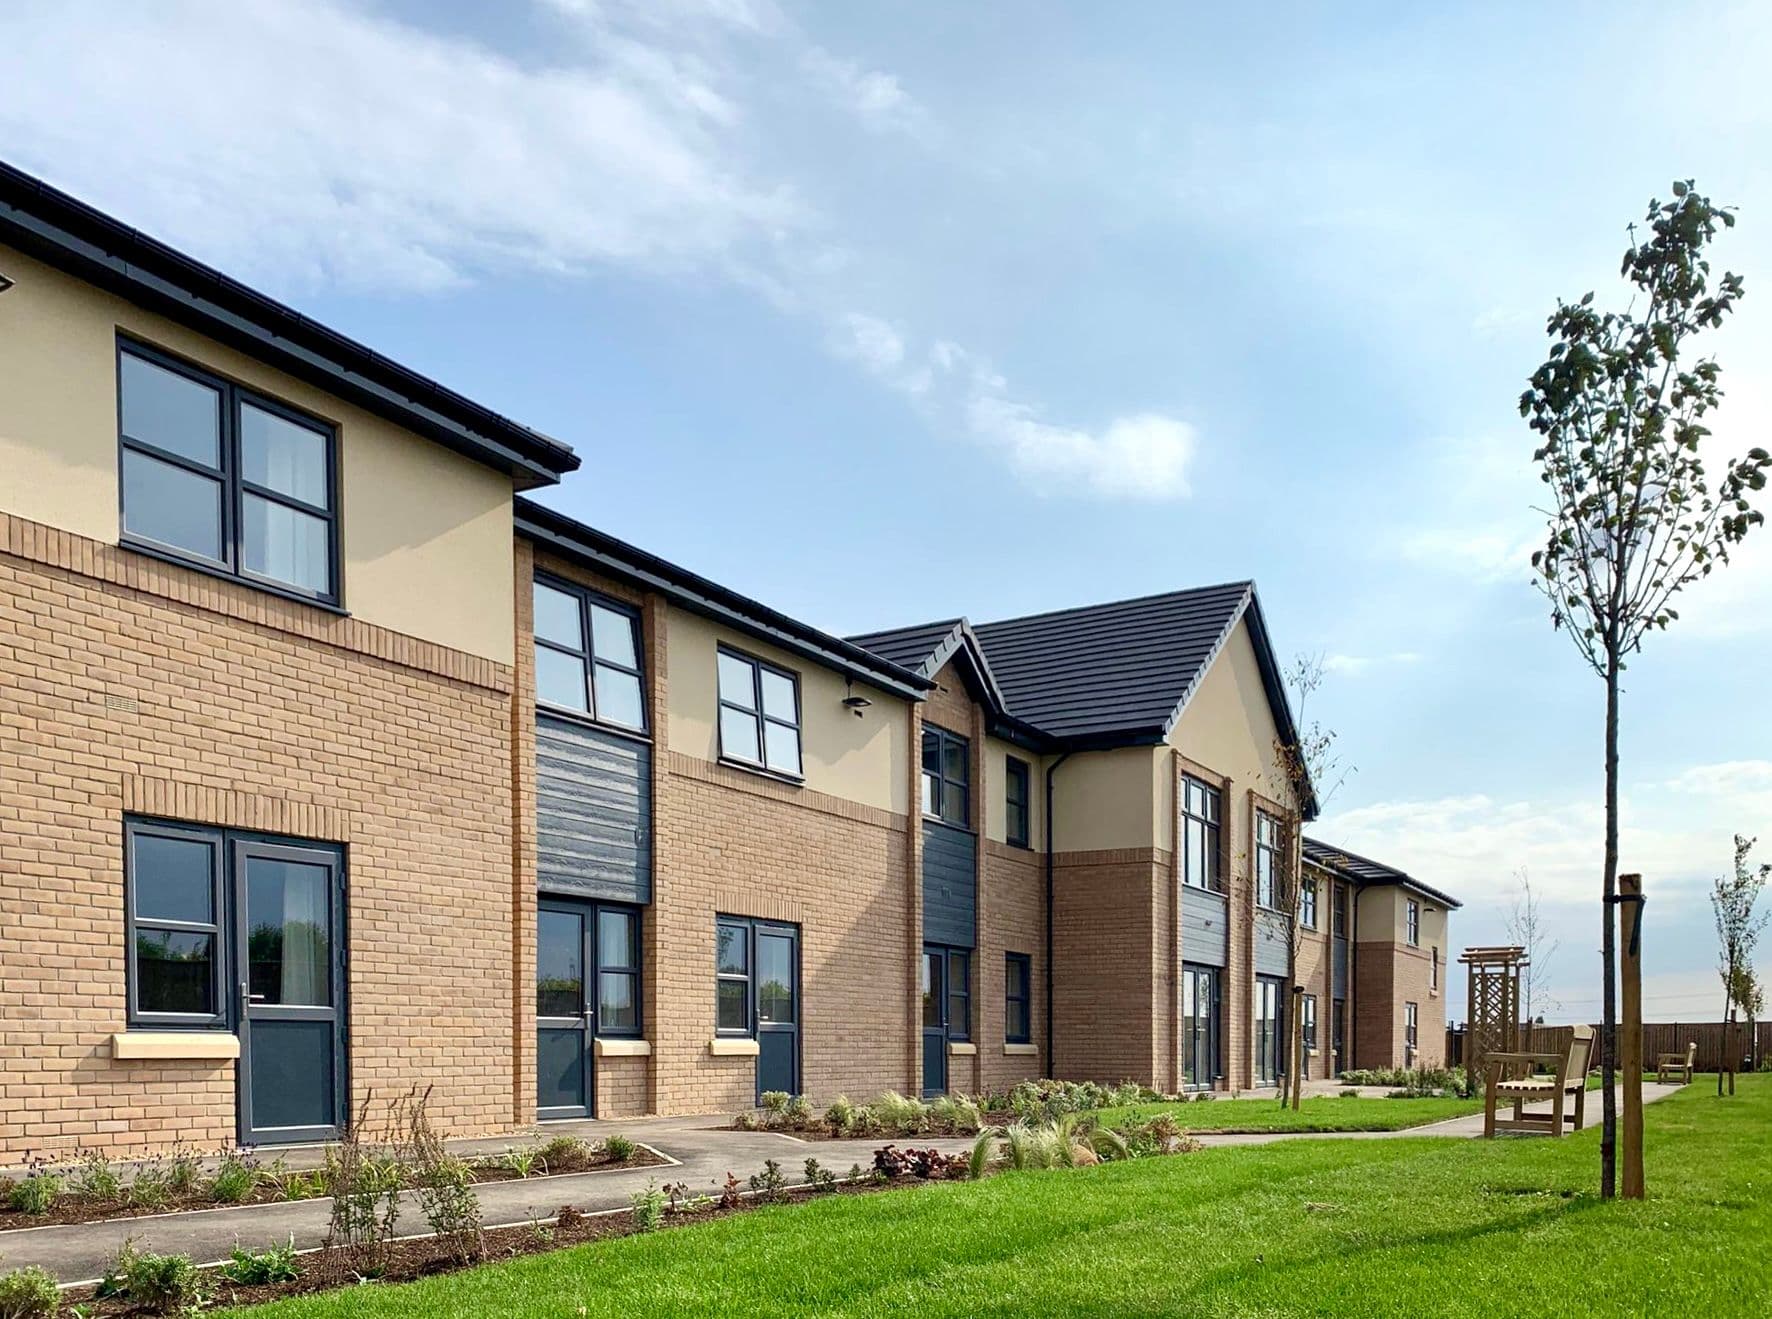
x=775, y=1106
x=233, y=1179
x=1108, y=1145
x=183, y=1171
x=619, y=1149
x=649, y=1207
x=955, y=1113
x=1350, y=1094
x=365, y=1199
x=746, y=1121
x=148, y=1189
x=771, y=1187
x=840, y=1116
x=899, y=1115
x=1046, y=1100
x=256, y=1268
x=984, y=1152
x=36, y=1193
x=564, y=1151
x=729, y=1198
x=444, y=1183
x=28, y=1293
x=522, y=1160
x=818, y=1177
x=798, y=1112
x=159, y=1284
x=95, y=1178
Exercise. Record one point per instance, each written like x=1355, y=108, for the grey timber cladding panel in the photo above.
x=593, y=812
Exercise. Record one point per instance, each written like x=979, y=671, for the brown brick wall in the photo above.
x=126, y=684
x=623, y=1087
x=1015, y=895
x=1107, y=945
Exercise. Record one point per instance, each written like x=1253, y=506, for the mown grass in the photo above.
x=1410, y=1226
x=1316, y=1114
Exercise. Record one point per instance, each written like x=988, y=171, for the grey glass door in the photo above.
x=565, y=1081
x=1199, y=1026
x=935, y=1025
x=288, y=902
x=778, y=1009
x=1269, y=1028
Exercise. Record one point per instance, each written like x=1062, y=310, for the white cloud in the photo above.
x=875, y=98
x=1353, y=666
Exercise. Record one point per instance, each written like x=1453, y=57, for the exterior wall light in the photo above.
x=853, y=703
x=5, y=283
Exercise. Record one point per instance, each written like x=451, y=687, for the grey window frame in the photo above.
x=1212, y=831
x=959, y=1028
x=1017, y=771
x=1268, y=856
x=1412, y=922
x=1433, y=982
x=748, y=978
x=1339, y=915
x=1307, y=901
x=216, y=927
x=635, y=973
x=756, y=712
x=228, y=475
x=1308, y=1011
x=1412, y=1024
x=943, y=739
x=1018, y=969
x=589, y=660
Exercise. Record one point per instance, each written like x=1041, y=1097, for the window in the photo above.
x=587, y=655
x=1340, y=913
x=1310, y=1022
x=959, y=994
x=1433, y=981
x=1268, y=861
x=1018, y=984
x=947, y=777
x=175, y=947
x=1199, y=835
x=220, y=476
x=759, y=714
x=1307, y=902
x=1413, y=922
x=1410, y=1021
x=618, y=971
x=1202, y=1061
x=1269, y=1029
x=732, y=977
x=1016, y=788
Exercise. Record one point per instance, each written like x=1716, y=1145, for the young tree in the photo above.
x=1732, y=901
x=1619, y=407
x=1525, y=928
x=1312, y=767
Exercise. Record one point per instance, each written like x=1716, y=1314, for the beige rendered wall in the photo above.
x=864, y=760
x=996, y=807
x=1104, y=800
x=426, y=533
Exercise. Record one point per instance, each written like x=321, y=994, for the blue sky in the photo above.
x=890, y=312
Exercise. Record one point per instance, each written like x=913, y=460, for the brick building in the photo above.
x=333, y=764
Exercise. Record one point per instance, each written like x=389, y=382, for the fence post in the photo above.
x=1630, y=1048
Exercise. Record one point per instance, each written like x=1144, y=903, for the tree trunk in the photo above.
x=1299, y=1061
x=1609, y=948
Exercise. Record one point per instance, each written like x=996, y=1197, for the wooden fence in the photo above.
x=1658, y=1037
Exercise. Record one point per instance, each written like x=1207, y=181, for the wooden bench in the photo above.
x=1677, y=1062
x=1569, y=1076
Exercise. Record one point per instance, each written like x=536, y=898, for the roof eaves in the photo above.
x=629, y=563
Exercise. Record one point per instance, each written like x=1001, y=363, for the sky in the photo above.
x=884, y=313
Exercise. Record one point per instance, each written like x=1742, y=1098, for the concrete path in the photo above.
x=701, y=1151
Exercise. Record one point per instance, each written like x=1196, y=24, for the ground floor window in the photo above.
x=1200, y=1055
x=1269, y=1029
x=1411, y=1023
x=757, y=993
x=1310, y=1022
x=1018, y=984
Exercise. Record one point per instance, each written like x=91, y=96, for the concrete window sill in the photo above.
x=1021, y=1050
x=733, y=1048
x=957, y=1049
x=174, y=1045
x=622, y=1048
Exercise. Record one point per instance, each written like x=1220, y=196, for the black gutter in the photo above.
x=1051, y=1061
x=69, y=235
x=628, y=563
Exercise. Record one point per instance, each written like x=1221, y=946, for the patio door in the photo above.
x=778, y=1009
x=288, y=900
x=1269, y=1029
x=565, y=1079
x=1199, y=1026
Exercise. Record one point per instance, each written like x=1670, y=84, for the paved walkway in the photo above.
x=701, y=1151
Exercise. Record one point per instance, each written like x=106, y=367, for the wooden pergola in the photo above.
x=1492, y=1017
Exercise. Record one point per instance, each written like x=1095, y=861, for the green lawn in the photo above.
x=1412, y=1226
x=1326, y=1114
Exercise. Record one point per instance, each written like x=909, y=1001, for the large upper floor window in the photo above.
x=759, y=714
x=1200, y=806
x=947, y=777
x=1307, y=902
x=587, y=655
x=1269, y=861
x=1017, y=790
x=1412, y=923
x=225, y=478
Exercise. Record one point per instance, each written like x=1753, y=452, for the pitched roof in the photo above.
x=67, y=234
x=1364, y=870
x=574, y=540
x=910, y=647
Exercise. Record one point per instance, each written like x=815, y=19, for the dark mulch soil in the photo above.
x=406, y=1261
x=821, y=1133
x=75, y=1209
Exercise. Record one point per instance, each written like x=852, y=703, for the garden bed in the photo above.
x=277, y=1185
